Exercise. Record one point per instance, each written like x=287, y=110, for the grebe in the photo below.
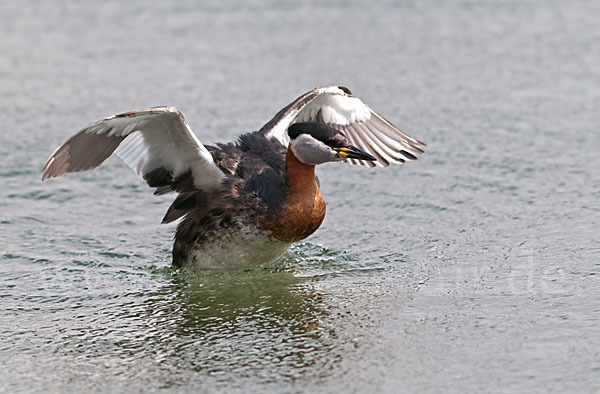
x=245, y=202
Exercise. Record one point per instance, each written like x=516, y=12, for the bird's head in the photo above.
x=317, y=143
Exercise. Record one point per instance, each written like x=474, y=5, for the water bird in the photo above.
x=243, y=202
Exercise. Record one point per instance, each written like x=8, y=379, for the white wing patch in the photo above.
x=335, y=108
x=135, y=153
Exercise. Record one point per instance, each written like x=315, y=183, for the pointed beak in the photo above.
x=352, y=152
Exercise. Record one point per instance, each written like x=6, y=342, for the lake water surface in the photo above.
x=474, y=269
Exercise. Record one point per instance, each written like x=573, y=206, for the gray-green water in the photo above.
x=474, y=269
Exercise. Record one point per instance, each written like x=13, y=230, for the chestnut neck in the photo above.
x=299, y=176
x=304, y=208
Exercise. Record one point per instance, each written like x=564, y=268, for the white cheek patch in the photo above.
x=311, y=151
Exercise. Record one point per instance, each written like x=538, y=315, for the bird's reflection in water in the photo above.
x=254, y=324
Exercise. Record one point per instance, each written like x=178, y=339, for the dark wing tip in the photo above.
x=420, y=143
x=54, y=168
x=46, y=171
x=46, y=175
x=408, y=155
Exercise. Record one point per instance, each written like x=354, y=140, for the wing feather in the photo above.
x=383, y=157
x=380, y=140
x=360, y=143
x=354, y=141
x=147, y=140
x=396, y=135
x=365, y=128
x=390, y=146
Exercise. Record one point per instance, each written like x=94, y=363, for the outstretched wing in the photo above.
x=156, y=143
x=366, y=129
